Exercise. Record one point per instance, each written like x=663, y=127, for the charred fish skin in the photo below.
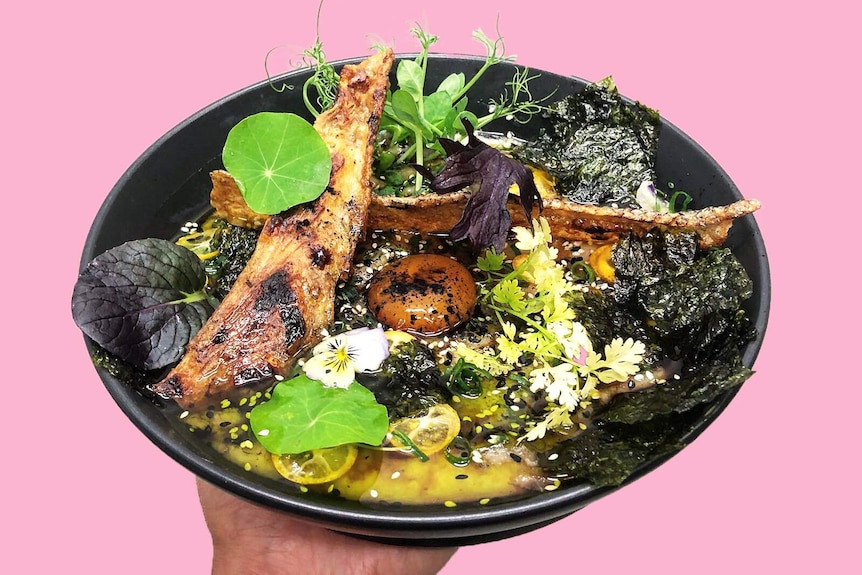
x=284, y=297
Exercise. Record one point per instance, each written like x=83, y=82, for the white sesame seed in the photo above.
x=396, y=475
x=373, y=493
x=553, y=456
x=263, y=433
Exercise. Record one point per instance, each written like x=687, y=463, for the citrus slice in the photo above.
x=601, y=262
x=200, y=243
x=431, y=432
x=316, y=466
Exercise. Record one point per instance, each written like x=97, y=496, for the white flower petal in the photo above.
x=368, y=349
x=323, y=368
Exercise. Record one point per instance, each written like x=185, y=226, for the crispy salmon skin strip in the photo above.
x=284, y=297
x=438, y=213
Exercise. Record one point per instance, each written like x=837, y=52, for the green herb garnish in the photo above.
x=278, y=161
x=408, y=443
x=304, y=415
x=413, y=122
x=686, y=200
x=465, y=379
x=458, y=452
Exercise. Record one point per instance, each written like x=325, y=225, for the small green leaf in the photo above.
x=436, y=107
x=278, y=160
x=507, y=293
x=491, y=262
x=304, y=415
x=467, y=116
x=452, y=85
x=405, y=111
x=411, y=78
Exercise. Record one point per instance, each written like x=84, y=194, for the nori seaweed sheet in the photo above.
x=684, y=304
x=600, y=149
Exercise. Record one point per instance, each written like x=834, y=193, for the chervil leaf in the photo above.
x=485, y=221
x=491, y=262
x=304, y=415
x=510, y=295
x=143, y=301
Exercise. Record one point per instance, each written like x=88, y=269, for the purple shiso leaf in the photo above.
x=485, y=221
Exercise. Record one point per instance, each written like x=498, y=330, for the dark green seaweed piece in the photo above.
x=600, y=149
x=124, y=371
x=408, y=382
x=678, y=291
x=235, y=246
x=716, y=282
x=607, y=453
x=696, y=386
x=606, y=320
x=684, y=305
x=351, y=311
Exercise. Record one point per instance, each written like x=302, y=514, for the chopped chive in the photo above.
x=686, y=199
x=402, y=437
x=582, y=271
x=458, y=452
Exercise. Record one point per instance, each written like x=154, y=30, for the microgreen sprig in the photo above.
x=413, y=122
x=324, y=78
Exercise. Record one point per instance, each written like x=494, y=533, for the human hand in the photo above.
x=254, y=540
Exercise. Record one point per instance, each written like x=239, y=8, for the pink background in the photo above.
x=770, y=89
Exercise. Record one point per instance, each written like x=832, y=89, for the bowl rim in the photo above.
x=407, y=523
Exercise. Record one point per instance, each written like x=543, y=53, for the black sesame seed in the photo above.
x=515, y=457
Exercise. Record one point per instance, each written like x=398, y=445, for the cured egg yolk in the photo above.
x=425, y=294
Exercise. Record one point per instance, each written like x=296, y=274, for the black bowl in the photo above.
x=169, y=185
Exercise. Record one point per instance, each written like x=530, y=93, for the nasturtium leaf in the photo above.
x=303, y=415
x=278, y=160
x=143, y=301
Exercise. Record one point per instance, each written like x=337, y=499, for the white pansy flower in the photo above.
x=336, y=360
